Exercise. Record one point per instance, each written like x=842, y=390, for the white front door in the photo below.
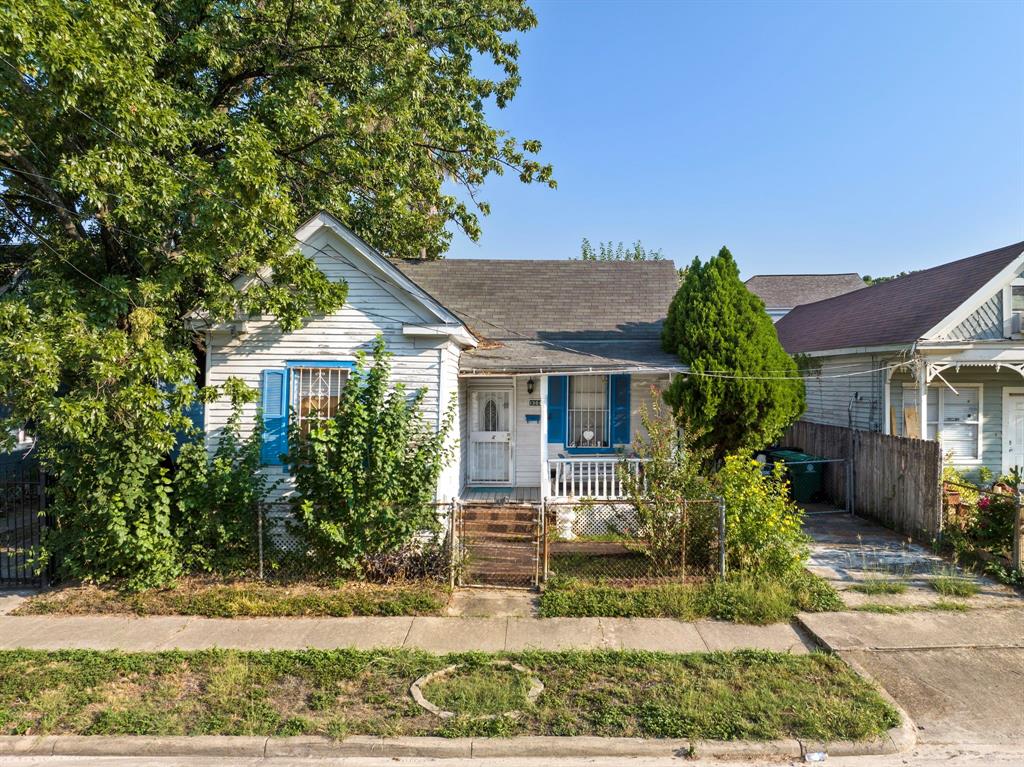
x=1013, y=427
x=490, y=436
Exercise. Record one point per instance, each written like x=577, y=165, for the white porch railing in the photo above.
x=589, y=477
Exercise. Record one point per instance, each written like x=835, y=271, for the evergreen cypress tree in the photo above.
x=737, y=394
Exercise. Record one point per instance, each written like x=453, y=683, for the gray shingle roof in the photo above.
x=784, y=291
x=549, y=314
x=544, y=356
x=895, y=312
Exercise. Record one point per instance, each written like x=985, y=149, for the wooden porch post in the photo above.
x=922, y=397
x=887, y=401
x=545, y=472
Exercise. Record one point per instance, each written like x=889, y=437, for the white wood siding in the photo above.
x=527, y=435
x=370, y=310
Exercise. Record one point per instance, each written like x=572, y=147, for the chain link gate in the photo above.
x=497, y=545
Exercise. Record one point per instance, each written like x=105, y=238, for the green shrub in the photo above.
x=672, y=475
x=220, y=499
x=365, y=479
x=763, y=526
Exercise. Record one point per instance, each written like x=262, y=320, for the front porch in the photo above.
x=968, y=397
x=576, y=477
x=533, y=437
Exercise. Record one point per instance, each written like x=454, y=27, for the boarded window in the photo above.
x=953, y=418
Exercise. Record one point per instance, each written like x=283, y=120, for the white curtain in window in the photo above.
x=588, y=411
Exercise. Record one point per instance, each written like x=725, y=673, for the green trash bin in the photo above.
x=805, y=479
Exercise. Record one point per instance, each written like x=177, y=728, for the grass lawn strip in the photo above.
x=756, y=695
x=738, y=599
x=218, y=599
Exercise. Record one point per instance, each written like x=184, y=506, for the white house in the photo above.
x=548, y=362
x=936, y=354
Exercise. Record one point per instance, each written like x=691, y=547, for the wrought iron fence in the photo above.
x=617, y=542
x=22, y=520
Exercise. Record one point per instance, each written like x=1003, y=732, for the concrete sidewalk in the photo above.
x=959, y=676
x=439, y=635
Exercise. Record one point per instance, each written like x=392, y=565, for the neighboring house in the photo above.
x=20, y=452
x=938, y=353
x=782, y=292
x=548, y=362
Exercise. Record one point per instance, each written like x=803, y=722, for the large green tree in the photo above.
x=743, y=389
x=150, y=152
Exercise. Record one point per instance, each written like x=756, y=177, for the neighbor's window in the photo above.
x=1017, y=298
x=315, y=394
x=588, y=411
x=954, y=416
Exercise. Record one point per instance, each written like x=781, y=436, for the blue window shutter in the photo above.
x=620, y=408
x=558, y=393
x=275, y=417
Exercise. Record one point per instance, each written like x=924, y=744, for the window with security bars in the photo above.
x=315, y=394
x=588, y=411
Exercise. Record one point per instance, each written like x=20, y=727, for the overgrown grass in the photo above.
x=480, y=690
x=954, y=586
x=945, y=605
x=883, y=609
x=949, y=605
x=879, y=586
x=217, y=599
x=747, y=694
x=739, y=599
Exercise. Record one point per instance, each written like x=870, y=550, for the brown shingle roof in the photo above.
x=784, y=291
x=580, y=300
x=894, y=312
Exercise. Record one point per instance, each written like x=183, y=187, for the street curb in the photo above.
x=902, y=737
x=240, y=746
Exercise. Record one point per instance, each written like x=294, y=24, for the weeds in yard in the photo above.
x=885, y=609
x=950, y=606
x=876, y=586
x=217, y=599
x=746, y=694
x=480, y=690
x=949, y=583
x=874, y=607
x=739, y=599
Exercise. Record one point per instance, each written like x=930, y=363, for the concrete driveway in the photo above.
x=959, y=675
x=849, y=552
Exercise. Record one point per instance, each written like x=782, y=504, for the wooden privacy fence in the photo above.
x=896, y=480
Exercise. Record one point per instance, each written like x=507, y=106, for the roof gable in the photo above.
x=919, y=305
x=326, y=240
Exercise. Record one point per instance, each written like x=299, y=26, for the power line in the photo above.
x=424, y=296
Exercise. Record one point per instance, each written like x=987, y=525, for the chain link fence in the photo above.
x=614, y=541
x=281, y=554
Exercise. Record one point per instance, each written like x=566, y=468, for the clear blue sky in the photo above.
x=808, y=137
